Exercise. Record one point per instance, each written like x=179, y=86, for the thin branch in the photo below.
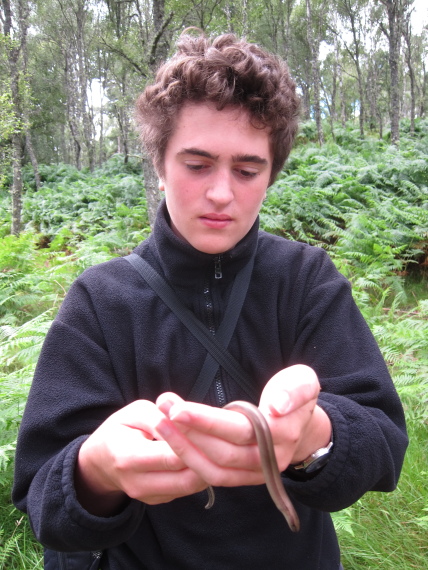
x=125, y=56
x=384, y=30
x=157, y=38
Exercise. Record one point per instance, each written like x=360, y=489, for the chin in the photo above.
x=213, y=247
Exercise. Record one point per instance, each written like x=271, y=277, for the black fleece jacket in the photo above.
x=115, y=341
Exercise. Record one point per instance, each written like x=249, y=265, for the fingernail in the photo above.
x=164, y=429
x=179, y=416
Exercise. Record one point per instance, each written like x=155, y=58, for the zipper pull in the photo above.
x=217, y=267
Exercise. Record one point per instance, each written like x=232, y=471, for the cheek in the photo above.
x=187, y=191
x=253, y=201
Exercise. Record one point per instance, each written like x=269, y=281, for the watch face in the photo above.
x=318, y=459
x=318, y=463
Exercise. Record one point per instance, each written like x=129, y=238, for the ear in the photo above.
x=161, y=185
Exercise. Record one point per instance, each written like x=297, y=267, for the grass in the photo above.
x=389, y=531
x=19, y=551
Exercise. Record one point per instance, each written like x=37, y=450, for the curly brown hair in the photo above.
x=224, y=71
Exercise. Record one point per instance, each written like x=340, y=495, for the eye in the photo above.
x=245, y=173
x=195, y=166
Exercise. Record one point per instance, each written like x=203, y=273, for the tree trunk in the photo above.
x=395, y=10
x=158, y=52
x=336, y=67
x=101, y=156
x=80, y=13
x=314, y=50
x=342, y=98
x=306, y=98
x=380, y=125
x=407, y=32
x=329, y=108
x=31, y=153
x=17, y=184
x=160, y=45
x=151, y=184
x=13, y=49
x=23, y=26
x=245, y=28
x=356, y=58
x=72, y=108
x=424, y=91
x=371, y=96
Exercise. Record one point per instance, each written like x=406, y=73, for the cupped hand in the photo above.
x=125, y=457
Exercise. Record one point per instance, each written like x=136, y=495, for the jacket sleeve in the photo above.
x=357, y=392
x=73, y=391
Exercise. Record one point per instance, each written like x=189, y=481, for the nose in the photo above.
x=220, y=188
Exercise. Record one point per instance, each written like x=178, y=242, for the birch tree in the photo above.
x=407, y=34
x=395, y=11
x=352, y=14
x=14, y=18
x=314, y=46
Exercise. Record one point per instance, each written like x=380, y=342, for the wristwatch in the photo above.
x=315, y=461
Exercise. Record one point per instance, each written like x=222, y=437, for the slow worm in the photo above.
x=268, y=461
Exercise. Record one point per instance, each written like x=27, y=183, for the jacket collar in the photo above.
x=183, y=265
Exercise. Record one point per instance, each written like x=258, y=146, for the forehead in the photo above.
x=202, y=125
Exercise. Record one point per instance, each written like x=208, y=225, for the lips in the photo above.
x=221, y=217
x=216, y=221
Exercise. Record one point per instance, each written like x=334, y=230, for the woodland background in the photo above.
x=71, y=70
x=75, y=190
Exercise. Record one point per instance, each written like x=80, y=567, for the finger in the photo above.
x=166, y=400
x=166, y=486
x=226, y=453
x=227, y=425
x=155, y=456
x=117, y=447
x=140, y=414
x=289, y=390
x=199, y=462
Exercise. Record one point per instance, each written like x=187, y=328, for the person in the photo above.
x=112, y=455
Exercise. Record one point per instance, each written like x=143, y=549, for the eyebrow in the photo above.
x=249, y=158
x=236, y=158
x=197, y=152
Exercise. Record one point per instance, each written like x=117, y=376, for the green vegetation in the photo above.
x=365, y=201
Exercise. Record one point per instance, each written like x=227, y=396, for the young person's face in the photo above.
x=216, y=172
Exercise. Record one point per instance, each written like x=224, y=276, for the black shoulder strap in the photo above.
x=216, y=345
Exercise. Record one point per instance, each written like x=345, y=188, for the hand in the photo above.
x=219, y=444
x=298, y=425
x=124, y=458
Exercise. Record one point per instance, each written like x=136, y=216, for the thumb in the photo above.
x=289, y=389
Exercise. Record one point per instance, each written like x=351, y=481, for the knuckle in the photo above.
x=191, y=483
x=227, y=457
x=121, y=463
x=172, y=462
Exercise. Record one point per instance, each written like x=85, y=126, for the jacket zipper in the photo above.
x=217, y=267
x=221, y=397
